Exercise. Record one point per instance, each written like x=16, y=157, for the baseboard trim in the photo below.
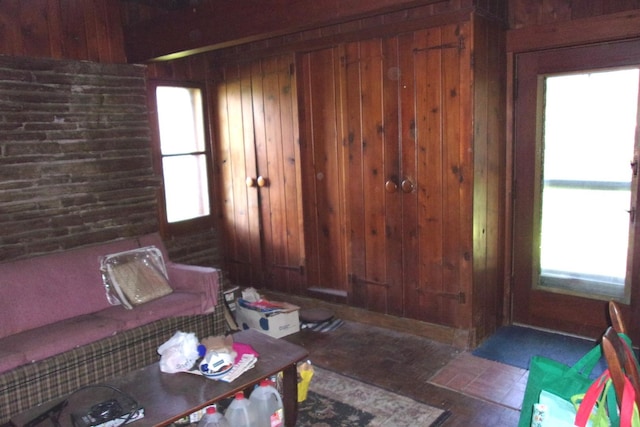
x=459, y=338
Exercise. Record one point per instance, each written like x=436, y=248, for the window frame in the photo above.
x=192, y=225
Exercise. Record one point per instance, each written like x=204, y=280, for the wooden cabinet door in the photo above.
x=373, y=174
x=258, y=162
x=323, y=172
x=385, y=161
x=440, y=254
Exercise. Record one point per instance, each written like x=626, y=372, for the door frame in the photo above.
x=570, y=314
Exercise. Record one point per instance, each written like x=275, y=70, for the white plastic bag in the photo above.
x=179, y=353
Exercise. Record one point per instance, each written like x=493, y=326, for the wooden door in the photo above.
x=258, y=161
x=579, y=306
x=323, y=179
x=386, y=164
x=370, y=77
x=442, y=251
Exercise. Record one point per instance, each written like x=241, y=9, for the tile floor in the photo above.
x=476, y=391
x=487, y=380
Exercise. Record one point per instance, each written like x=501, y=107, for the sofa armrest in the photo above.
x=192, y=278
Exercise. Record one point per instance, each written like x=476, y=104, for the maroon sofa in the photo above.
x=58, y=331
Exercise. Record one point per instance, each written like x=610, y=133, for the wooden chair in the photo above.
x=621, y=363
x=616, y=318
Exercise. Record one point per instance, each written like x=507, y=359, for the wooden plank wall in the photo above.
x=69, y=29
x=527, y=13
x=490, y=299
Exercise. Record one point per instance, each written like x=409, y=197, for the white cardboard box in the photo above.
x=275, y=325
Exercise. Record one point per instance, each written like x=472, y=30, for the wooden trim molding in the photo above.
x=618, y=26
x=463, y=339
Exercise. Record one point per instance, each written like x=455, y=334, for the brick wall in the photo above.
x=75, y=159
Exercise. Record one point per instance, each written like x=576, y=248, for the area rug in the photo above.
x=335, y=400
x=515, y=345
x=326, y=326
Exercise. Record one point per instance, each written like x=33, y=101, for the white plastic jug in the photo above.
x=240, y=412
x=268, y=405
x=213, y=418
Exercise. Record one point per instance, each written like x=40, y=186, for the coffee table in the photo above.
x=167, y=398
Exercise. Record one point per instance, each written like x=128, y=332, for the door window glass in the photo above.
x=588, y=138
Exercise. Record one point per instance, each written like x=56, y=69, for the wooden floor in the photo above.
x=477, y=392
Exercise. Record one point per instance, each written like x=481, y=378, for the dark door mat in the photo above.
x=516, y=345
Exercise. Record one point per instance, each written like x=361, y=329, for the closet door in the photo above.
x=353, y=174
x=236, y=160
x=323, y=173
x=387, y=159
x=439, y=255
x=258, y=162
x=373, y=175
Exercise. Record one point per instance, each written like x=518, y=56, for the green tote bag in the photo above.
x=557, y=378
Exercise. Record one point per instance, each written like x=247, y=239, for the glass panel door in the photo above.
x=588, y=134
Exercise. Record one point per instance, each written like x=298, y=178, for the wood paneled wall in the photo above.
x=69, y=29
x=527, y=13
x=217, y=24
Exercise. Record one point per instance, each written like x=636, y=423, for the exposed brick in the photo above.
x=75, y=160
x=75, y=155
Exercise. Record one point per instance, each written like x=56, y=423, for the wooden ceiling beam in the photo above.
x=218, y=24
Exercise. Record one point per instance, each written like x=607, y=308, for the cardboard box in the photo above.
x=276, y=325
x=230, y=297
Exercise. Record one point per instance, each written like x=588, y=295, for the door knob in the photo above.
x=390, y=186
x=251, y=182
x=407, y=186
x=262, y=181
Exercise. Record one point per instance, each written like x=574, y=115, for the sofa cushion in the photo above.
x=193, y=278
x=10, y=359
x=58, y=337
x=47, y=289
x=173, y=305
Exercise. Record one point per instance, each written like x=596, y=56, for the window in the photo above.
x=588, y=140
x=182, y=155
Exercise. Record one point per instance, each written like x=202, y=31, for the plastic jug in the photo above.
x=268, y=405
x=240, y=412
x=213, y=418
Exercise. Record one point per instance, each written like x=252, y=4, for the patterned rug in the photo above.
x=338, y=401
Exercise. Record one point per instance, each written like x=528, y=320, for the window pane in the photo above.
x=180, y=120
x=589, y=130
x=186, y=189
x=585, y=234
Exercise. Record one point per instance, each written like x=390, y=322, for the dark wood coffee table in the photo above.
x=169, y=397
